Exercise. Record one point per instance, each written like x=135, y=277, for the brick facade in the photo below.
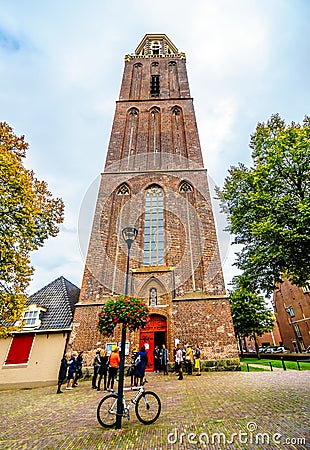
x=292, y=308
x=155, y=145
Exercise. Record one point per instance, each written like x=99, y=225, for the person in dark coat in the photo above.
x=140, y=367
x=164, y=359
x=96, y=364
x=103, y=370
x=156, y=354
x=62, y=376
x=133, y=378
x=71, y=370
x=79, y=365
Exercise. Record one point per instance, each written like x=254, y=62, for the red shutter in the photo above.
x=20, y=349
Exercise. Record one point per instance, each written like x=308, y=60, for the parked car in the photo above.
x=262, y=349
x=270, y=350
x=282, y=349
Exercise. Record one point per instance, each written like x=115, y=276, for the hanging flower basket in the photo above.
x=130, y=311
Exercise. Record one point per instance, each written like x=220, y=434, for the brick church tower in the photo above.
x=154, y=179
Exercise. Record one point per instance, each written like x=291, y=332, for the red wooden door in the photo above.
x=156, y=323
x=147, y=339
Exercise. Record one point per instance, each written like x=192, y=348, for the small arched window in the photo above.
x=176, y=111
x=155, y=47
x=155, y=110
x=153, y=297
x=123, y=189
x=185, y=187
x=133, y=112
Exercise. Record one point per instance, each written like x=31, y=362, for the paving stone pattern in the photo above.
x=194, y=411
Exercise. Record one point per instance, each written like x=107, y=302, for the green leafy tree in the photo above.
x=28, y=216
x=251, y=316
x=268, y=205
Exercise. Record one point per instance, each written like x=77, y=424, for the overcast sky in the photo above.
x=61, y=65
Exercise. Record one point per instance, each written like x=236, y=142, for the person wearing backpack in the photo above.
x=140, y=365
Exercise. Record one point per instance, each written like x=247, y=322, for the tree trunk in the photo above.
x=256, y=346
x=240, y=346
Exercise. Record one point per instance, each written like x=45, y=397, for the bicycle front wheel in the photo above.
x=106, y=411
x=148, y=407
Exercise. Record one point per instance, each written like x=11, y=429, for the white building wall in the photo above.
x=43, y=365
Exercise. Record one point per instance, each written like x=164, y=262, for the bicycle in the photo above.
x=147, y=407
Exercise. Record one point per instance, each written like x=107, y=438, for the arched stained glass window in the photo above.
x=154, y=227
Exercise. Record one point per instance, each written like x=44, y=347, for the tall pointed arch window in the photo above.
x=154, y=134
x=154, y=227
x=136, y=81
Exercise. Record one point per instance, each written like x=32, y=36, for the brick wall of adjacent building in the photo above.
x=288, y=296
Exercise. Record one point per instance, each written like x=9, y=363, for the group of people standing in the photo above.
x=70, y=370
x=188, y=358
x=105, y=367
x=160, y=359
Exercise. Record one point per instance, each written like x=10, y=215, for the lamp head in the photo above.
x=129, y=234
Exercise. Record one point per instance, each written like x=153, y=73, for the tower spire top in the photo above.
x=153, y=45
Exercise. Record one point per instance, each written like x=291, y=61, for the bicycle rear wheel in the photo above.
x=148, y=407
x=106, y=411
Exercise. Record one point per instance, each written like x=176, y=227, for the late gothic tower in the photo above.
x=154, y=179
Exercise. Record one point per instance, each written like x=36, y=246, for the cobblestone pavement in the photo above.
x=227, y=410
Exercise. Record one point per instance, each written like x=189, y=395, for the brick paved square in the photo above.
x=206, y=412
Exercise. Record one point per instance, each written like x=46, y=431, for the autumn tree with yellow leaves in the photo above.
x=28, y=216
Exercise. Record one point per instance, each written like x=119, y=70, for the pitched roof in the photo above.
x=58, y=298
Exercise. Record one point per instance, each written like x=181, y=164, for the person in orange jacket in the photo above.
x=114, y=361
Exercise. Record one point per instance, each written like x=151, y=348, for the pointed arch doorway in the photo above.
x=155, y=333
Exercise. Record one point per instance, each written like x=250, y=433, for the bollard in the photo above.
x=283, y=363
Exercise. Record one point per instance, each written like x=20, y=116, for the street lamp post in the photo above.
x=129, y=235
